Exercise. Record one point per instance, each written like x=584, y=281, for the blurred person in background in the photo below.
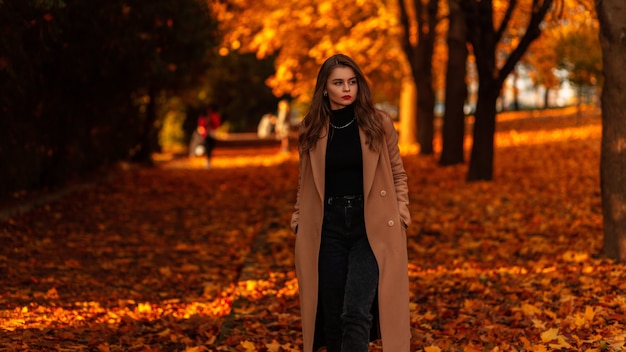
x=266, y=126
x=204, y=137
x=283, y=124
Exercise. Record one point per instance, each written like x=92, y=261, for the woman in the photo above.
x=350, y=218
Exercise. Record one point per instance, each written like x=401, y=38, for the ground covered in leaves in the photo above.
x=179, y=258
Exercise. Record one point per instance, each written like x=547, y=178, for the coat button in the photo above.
x=383, y=193
x=390, y=223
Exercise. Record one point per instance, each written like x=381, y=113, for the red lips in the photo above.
x=346, y=97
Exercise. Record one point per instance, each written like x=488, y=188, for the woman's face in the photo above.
x=342, y=87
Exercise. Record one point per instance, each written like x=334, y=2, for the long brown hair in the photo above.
x=367, y=116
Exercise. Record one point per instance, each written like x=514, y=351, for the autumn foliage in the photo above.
x=178, y=258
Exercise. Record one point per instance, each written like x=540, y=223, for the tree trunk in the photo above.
x=143, y=152
x=426, y=95
x=425, y=115
x=408, y=118
x=419, y=57
x=613, y=147
x=579, y=103
x=426, y=24
x=481, y=159
x=484, y=38
x=515, y=104
x=453, y=130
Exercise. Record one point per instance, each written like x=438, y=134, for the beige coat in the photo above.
x=386, y=218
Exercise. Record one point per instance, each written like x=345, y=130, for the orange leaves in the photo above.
x=530, y=309
x=248, y=346
x=306, y=32
x=152, y=256
x=185, y=259
x=566, y=134
x=277, y=347
x=554, y=340
x=586, y=318
x=503, y=264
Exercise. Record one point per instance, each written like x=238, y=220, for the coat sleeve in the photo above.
x=397, y=169
x=295, y=216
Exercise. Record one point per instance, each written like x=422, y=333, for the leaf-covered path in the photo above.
x=178, y=258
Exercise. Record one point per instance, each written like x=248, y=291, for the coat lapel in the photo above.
x=370, y=161
x=318, y=163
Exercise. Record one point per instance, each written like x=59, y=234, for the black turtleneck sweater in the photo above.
x=344, y=161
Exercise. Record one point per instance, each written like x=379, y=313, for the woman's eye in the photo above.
x=353, y=82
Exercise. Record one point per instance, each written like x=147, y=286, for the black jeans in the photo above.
x=209, y=145
x=348, y=278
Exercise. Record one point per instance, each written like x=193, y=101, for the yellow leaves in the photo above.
x=549, y=335
x=253, y=288
x=274, y=346
x=143, y=308
x=618, y=342
x=324, y=8
x=539, y=324
x=241, y=161
x=519, y=280
x=561, y=343
x=577, y=257
x=585, y=318
x=538, y=348
x=553, y=334
x=289, y=290
x=589, y=313
x=514, y=138
x=307, y=31
x=248, y=346
x=264, y=43
x=529, y=309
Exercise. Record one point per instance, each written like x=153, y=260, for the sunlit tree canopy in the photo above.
x=304, y=33
x=569, y=41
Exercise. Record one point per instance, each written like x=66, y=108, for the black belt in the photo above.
x=345, y=201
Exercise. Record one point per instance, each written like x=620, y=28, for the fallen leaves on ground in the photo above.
x=178, y=258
